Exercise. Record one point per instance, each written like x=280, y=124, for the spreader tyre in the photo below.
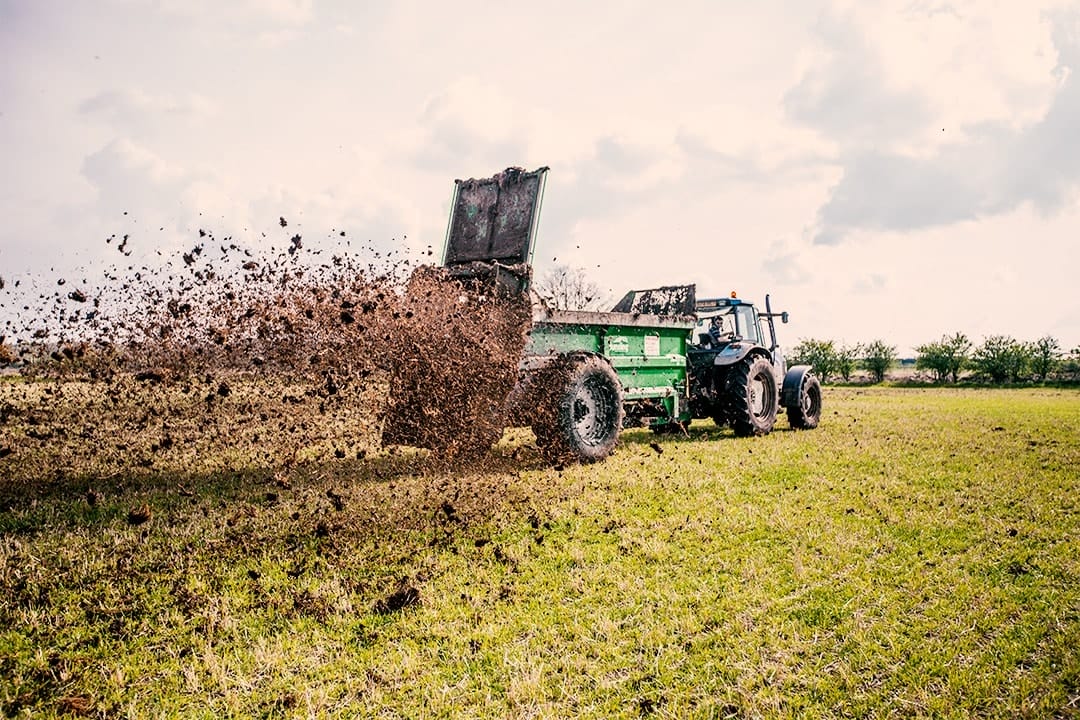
x=584, y=421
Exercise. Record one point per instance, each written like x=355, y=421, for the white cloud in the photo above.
x=786, y=267
x=135, y=107
x=868, y=283
x=125, y=165
x=274, y=39
x=285, y=12
x=469, y=120
x=277, y=12
x=975, y=63
x=985, y=169
x=847, y=95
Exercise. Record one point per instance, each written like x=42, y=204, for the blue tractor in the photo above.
x=736, y=371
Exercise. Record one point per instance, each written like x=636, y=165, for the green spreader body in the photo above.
x=648, y=353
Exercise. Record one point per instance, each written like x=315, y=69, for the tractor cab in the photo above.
x=724, y=320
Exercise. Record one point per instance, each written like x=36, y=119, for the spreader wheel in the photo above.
x=580, y=409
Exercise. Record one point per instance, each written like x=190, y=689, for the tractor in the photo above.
x=659, y=359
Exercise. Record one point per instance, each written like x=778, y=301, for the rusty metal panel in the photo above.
x=672, y=300
x=494, y=219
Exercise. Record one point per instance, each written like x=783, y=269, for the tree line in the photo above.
x=999, y=359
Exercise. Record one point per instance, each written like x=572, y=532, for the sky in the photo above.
x=884, y=170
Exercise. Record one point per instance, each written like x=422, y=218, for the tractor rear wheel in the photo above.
x=807, y=414
x=579, y=409
x=752, y=397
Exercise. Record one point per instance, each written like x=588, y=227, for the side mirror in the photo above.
x=784, y=317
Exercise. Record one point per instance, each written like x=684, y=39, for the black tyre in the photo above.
x=752, y=397
x=807, y=413
x=579, y=409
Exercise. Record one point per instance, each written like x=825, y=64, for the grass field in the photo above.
x=917, y=555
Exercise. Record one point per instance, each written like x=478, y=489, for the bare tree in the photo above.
x=566, y=288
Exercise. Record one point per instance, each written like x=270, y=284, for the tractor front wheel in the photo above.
x=752, y=397
x=585, y=413
x=807, y=413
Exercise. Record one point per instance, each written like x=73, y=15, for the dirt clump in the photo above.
x=406, y=595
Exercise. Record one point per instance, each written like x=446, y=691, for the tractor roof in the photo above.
x=708, y=304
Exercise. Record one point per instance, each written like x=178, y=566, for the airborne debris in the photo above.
x=279, y=351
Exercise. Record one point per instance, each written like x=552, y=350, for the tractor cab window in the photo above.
x=738, y=322
x=716, y=329
x=746, y=322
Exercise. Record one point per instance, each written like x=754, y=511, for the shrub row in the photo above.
x=998, y=360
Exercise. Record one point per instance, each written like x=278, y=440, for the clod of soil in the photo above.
x=405, y=596
x=75, y=705
x=139, y=515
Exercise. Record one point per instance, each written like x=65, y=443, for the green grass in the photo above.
x=917, y=555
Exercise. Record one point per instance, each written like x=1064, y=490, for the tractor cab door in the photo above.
x=747, y=326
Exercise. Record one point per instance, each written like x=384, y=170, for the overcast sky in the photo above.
x=895, y=170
